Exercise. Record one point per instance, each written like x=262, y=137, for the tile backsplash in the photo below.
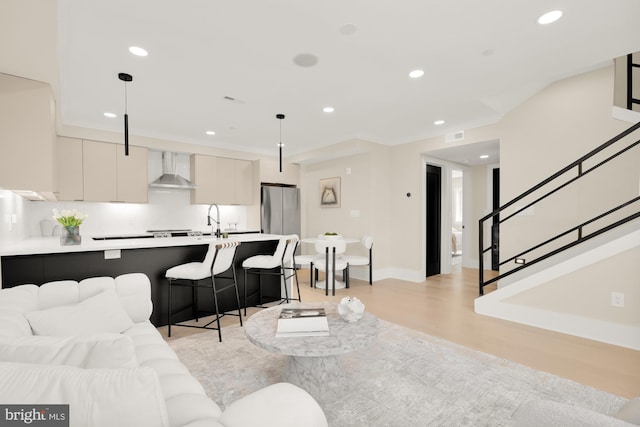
x=165, y=210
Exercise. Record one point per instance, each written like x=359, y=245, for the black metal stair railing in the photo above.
x=630, y=66
x=584, y=230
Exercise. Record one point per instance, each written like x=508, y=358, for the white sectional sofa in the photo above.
x=90, y=345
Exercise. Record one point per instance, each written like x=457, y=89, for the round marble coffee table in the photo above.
x=313, y=363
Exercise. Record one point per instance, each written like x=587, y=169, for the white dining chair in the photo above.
x=304, y=260
x=359, y=260
x=331, y=262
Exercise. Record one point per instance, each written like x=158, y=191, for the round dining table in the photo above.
x=330, y=273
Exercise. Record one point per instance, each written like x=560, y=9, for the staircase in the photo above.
x=607, y=235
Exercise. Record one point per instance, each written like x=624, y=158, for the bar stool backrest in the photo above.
x=291, y=243
x=223, y=256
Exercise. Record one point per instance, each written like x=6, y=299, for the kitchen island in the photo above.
x=41, y=260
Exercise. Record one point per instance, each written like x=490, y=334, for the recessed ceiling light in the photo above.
x=438, y=122
x=138, y=51
x=328, y=109
x=305, y=60
x=210, y=132
x=550, y=17
x=348, y=29
x=416, y=74
x=484, y=156
x=110, y=115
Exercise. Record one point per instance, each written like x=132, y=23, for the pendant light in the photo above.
x=280, y=144
x=125, y=78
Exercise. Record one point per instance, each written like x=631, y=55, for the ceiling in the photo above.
x=480, y=59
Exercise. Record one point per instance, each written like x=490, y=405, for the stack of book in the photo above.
x=302, y=322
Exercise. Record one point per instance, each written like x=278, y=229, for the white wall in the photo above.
x=546, y=133
x=364, y=207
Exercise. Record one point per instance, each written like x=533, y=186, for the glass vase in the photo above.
x=71, y=236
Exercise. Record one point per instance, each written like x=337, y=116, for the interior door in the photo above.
x=434, y=219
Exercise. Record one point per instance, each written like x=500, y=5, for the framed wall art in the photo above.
x=330, y=192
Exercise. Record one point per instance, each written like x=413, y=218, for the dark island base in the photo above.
x=154, y=262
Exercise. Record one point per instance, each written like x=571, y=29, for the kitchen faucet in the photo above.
x=217, y=220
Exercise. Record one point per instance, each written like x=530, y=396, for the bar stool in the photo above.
x=282, y=259
x=219, y=260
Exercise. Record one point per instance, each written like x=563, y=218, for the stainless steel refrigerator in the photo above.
x=280, y=210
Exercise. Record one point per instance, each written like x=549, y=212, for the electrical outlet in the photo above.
x=617, y=299
x=112, y=254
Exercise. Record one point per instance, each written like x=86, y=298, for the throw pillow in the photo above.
x=96, y=397
x=87, y=351
x=99, y=314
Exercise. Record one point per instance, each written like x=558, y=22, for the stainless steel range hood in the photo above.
x=170, y=178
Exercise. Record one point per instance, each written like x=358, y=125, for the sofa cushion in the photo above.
x=187, y=408
x=134, y=291
x=96, y=397
x=286, y=404
x=13, y=324
x=99, y=314
x=21, y=298
x=87, y=351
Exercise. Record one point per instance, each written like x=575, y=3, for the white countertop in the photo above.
x=49, y=245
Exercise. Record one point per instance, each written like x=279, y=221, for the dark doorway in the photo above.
x=433, y=219
x=495, y=227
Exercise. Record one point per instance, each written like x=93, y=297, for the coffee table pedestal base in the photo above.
x=322, y=377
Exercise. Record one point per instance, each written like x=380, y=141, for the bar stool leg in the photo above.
x=245, y=292
x=295, y=272
x=283, y=281
x=235, y=285
x=215, y=301
x=169, y=312
x=194, y=296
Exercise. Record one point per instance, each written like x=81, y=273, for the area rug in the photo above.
x=407, y=378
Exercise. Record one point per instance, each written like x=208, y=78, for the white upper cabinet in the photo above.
x=100, y=172
x=221, y=180
x=132, y=179
x=27, y=136
x=70, y=180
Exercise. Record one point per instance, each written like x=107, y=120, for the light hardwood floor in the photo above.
x=442, y=306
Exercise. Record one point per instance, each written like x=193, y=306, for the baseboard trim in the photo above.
x=593, y=329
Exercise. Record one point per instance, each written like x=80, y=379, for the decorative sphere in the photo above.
x=351, y=309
